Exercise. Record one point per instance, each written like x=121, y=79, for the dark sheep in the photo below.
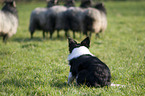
x=73, y=18
x=61, y=21
x=8, y=20
x=55, y=19
x=38, y=21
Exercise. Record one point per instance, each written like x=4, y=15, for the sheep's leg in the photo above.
x=90, y=34
x=66, y=33
x=74, y=34
x=80, y=34
x=58, y=34
x=5, y=37
x=85, y=32
x=32, y=32
x=43, y=34
x=47, y=33
x=97, y=35
x=51, y=32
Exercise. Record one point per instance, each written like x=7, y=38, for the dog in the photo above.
x=85, y=67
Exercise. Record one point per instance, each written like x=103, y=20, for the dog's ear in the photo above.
x=72, y=44
x=86, y=42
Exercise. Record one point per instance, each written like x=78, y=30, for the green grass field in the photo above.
x=40, y=67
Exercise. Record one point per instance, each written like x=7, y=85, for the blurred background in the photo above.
x=64, y=0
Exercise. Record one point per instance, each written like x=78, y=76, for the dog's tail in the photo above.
x=117, y=85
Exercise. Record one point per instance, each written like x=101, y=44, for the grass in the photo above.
x=40, y=67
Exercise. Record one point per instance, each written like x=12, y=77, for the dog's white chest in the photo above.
x=78, y=52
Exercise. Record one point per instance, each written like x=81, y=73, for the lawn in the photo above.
x=40, y=67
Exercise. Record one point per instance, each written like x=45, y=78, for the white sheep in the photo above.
x=94, y=20
x=8, y=20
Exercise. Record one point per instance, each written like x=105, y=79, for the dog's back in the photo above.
x=85, y=67
x=89, y=70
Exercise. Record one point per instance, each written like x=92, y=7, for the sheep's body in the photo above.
x=38, y=20
x=103, y=22
x=55, y=18
x=8, y=20
x=59, y=12
x=91, y=21
x=73, y=18
x=47, y=19
x=43, y=19
x=8, y=24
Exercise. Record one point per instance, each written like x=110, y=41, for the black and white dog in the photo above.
x=85, y=67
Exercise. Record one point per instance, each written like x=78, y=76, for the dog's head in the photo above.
x=73, y=44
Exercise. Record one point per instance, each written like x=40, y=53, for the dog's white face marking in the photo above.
x=78, y=52
x=70, y=78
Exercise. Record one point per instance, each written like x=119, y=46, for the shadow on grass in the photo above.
x=17, y=82
x=27, y=39
x=38, y=39
x=30, y=83
x=98, y=42
x=59, y=84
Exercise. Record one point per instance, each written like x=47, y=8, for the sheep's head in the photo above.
x=10, y=6
x=69, y=3
x=101, y=7
x=52, y=1
x=86, y=3
x=10, y=3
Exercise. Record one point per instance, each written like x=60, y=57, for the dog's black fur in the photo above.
x=88, y=69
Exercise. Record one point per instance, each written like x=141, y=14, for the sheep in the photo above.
x=55, y=19
x=51, y=3
x=8, y=20
x=60, y=17
x=94, y=20
x=73, y=18
x=38, y=21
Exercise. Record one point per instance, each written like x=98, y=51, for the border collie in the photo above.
x=85, y=67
